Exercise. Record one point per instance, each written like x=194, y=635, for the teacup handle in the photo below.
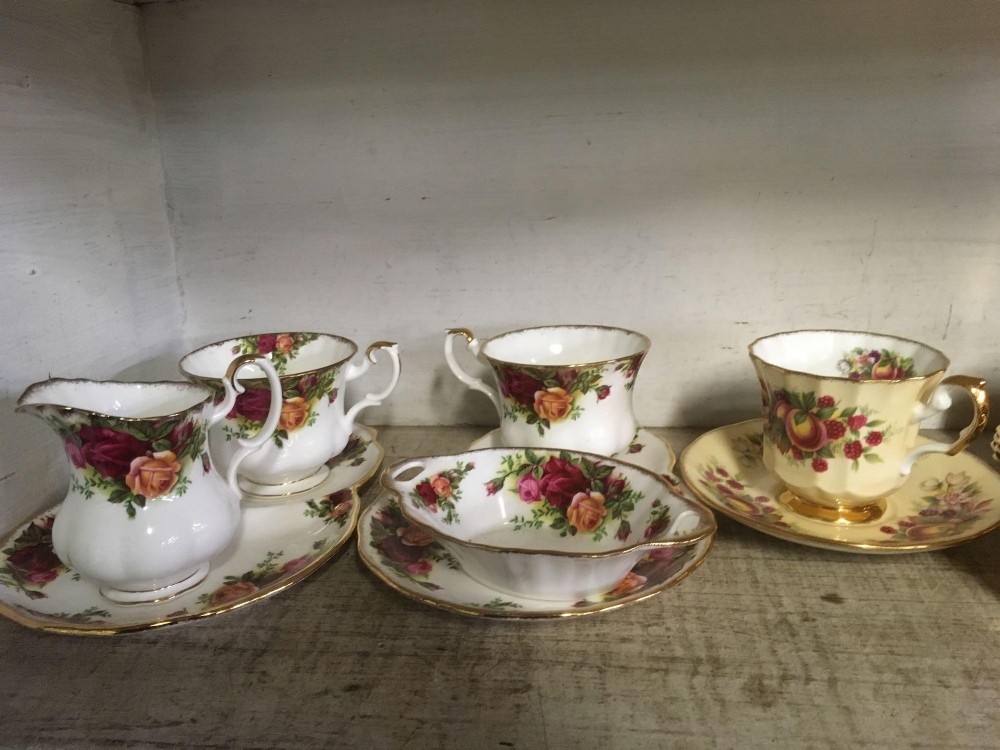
x=475, y=384
x=353, y=372
x=233, y=388
x=940, y=400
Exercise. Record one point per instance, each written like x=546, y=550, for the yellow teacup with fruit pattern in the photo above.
x=842, y=410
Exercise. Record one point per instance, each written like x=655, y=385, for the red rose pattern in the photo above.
x=560, y=482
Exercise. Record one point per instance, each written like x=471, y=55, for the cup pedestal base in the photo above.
x=838, y=515
x=288, y=488
x=121, y=596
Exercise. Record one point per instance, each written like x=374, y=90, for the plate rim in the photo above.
x=471, y=611
x=815, y=541
x=17, y=614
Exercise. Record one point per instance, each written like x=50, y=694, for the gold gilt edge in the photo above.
x=671, y=453
x=817, y=541
x=14, y=614
x=464, y=609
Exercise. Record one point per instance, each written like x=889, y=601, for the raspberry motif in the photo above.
x=835, y=430
x=888, y=530
x=796, y=453
x=857, y=421
x=825, y=402
x=853, y=450
x=820, y=464
x=874, y=438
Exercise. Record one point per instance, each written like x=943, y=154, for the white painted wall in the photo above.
x=88, y=285
x=703, y=171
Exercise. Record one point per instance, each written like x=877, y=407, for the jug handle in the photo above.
x=475, y=384
x=233, y=388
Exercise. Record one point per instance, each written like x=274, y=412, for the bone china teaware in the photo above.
x=543, y=524
x=146, y=509
x=842, y=410
x=560, y=386
x=313, y=368
x=948, y=500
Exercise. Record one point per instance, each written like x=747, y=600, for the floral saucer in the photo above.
x=353, y=467
x=948, y=500
x=647, y=450
x=411, y=562
x=276, y=546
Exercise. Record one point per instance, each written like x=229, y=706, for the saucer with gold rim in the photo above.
x=646, y=450
x=275, y=546
x=948, y=500
x=352, y=467
x=412, y=563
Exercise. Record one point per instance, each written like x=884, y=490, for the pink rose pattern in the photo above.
x=29, y=563
x=654, y=569
x=335, y=508
x=568, y=494
x=266, y=573
x=543, y=395
x=407, y=550
x=280, y=348
x=300, y=397
x=811, y=430
x=131, y=462
x=440, y=492
x=353, y=453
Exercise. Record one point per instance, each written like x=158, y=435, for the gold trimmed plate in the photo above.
x=275, y=547
x=352, y=467
x=646, y=451
x=948, y=500
x=421, y=569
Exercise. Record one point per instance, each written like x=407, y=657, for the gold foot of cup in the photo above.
x=839, y=515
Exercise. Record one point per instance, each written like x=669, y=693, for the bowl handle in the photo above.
x=389, y=476
x=233, y=388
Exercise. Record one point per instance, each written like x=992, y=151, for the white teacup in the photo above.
x=313, y=368
x=560, y=386
x=842, y=410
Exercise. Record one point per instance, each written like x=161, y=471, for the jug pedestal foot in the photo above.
x=288, y=488
x=121, y=596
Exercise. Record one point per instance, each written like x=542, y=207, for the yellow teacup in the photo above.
x=842, y=410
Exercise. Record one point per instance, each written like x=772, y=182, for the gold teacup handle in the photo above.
x=976, y=388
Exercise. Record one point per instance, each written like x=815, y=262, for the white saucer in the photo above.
x=352, y=468
x=279, y=542
x=647, y=450
x=430, y=575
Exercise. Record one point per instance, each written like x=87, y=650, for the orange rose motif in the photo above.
x=586, y=511
x=294, y=413
x=553, y=404
x=629, y=584
x=411, y=536
x=232, y=592
x=284, y=343
x=152, y=476
x=441, y=486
